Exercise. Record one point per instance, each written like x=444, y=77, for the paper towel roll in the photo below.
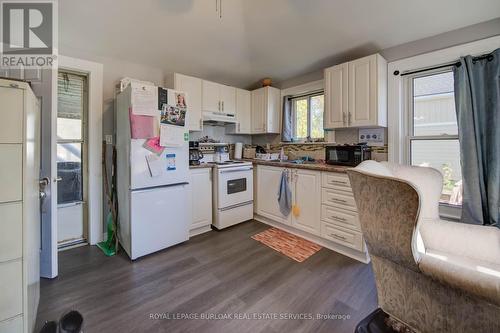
x=238, y=150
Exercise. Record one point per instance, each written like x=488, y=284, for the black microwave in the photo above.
x=348, y=155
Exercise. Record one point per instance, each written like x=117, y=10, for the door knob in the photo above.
x=44, y=181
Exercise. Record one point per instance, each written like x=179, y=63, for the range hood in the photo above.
x=219, y=118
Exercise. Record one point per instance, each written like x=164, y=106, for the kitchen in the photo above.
x=320, y=188
x=250, y=166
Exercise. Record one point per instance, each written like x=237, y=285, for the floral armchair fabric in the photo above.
x=431, y=274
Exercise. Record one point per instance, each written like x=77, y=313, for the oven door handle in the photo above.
x=235, y=170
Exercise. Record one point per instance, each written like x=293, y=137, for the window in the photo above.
x=71, y=116
x=307, y=116
x=433, y=131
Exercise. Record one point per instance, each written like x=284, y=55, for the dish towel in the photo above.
x=284, y=195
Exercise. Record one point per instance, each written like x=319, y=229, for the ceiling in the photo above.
x=255, y=38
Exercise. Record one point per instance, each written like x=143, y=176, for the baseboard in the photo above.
x=356, y=255
x=200, y=230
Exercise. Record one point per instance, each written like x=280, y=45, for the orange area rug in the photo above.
x=290, y=245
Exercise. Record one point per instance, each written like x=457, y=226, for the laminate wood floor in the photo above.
x=220, y=273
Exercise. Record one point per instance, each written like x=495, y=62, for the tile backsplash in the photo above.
x=219, y=133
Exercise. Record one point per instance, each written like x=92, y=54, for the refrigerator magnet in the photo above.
x=170, y=162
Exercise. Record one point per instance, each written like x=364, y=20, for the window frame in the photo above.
x=307, y=97
x=84, y=135
x=446, y=210
x=395, y=96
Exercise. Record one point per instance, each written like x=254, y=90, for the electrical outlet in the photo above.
x=109, y=139
x=372, y=136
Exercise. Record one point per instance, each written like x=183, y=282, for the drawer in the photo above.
x=11, y=162
x=11, y=231
x=335, y=180
x=13, y=325
x=340, y=217
x=11, y=279
x=339, y=199
x=343, y=236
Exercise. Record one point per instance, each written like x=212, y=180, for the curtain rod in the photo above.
x=488, y=57
x=311, y=93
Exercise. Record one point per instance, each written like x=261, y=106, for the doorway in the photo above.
x=72, y=159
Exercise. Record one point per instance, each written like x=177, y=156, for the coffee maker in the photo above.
x=195, y=155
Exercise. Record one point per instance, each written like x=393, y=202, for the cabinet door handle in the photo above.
x=337, y=200
x=338, y=237
x=344, y=118
x=239, y=128
x=222, y=105
x=333, y=217
x=337, y=182
x=349, y=118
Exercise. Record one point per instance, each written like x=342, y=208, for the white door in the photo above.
x=228, y=99
x=336, y=96
x=72, y=93
x=243, y=111
x=258, y=106
x=211, y=96
x=268, y=183
x=159, y=219
x=192, y=87
x=201, y=194
x=363, y=92
x=307, y=197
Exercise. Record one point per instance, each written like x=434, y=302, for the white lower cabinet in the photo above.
x=268, y=181
x=306, y=195
x=201, y=200
x=325, y=205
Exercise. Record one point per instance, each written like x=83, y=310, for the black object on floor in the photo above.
x=49, y=327
x=71, y=322
x=374, y=323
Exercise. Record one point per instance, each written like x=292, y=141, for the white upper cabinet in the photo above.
x=218, y=97
x=336, y=97
x=192, y=87
x=258, y=111
x=228, y=99
x=356, y=93
x=243, y=113
x=211, y=97
x=266, y=110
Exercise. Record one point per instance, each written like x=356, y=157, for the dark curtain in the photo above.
x=286, y=131
x=477, y=98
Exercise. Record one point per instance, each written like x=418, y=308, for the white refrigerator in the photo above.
x=152, y=210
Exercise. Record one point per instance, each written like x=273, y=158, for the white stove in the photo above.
x=233, y=186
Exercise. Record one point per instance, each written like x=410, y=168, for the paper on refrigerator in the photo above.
x=155, y=165
x=144, y=99
x=171, y=135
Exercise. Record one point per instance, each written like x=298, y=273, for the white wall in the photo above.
x=113, y=71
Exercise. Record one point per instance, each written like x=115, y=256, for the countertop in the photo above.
x=201, y=166
x=308, y=166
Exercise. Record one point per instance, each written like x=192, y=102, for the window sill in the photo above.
x=450, y=212
x=307, y=143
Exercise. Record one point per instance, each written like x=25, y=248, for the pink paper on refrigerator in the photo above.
x=153, y=145
x=141, y=127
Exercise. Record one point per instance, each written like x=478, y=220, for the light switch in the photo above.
x=109, y=139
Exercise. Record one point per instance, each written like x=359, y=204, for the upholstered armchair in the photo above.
x=431, y=274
